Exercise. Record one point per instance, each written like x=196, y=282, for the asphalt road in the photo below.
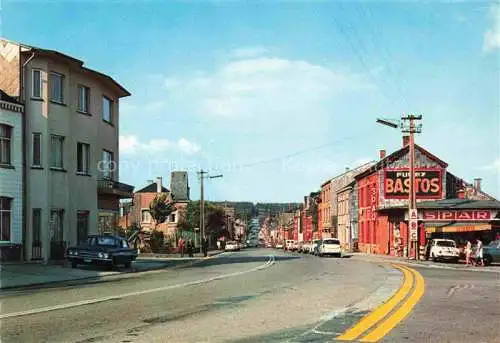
x=255, y=296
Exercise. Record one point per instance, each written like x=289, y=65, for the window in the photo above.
x=5, y=218
x=108, y=241
x=107, y=166
x=36, y=243
x=57, y=151
x=83, y=158
x=5, y=136
x=36, y=91
x=82, y=226
x=107, y=110
x=83, y=99
x=56, y=225
x=57, y=87
x=37, y=150
x=172, y=218
x=146, y=216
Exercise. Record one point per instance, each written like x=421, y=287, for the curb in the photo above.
x=104, y=278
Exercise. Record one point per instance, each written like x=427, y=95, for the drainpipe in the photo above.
x=24, y=139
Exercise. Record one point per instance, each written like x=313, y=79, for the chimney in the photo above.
x=347, y=169
x=382, y=154
x=461, y=193
x=159, y=184
x=406, y=140
x=477, y=184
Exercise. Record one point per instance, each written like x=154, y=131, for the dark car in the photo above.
x=102, y=250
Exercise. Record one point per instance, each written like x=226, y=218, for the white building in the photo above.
x=11, y=177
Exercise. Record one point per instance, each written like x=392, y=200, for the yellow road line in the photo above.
x=379, y=313
x=388, y=324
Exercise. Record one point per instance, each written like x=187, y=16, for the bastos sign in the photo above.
x=428, y=183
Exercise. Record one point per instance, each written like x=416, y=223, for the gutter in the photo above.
x=25, y=157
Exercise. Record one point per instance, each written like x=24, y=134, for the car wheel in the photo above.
x=74, y=264
x=434, y=258
x=487, y=260
x=128, y=264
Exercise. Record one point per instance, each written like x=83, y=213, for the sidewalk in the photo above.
x=495, y=268
x=21, y=275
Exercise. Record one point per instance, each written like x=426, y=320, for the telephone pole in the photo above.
x=203, y=174
x=409, y=127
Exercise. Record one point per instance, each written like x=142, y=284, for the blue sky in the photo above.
x=279, y=97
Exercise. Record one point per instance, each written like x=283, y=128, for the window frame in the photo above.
x=40, y=82
x=109, y=174
x=7, y=140
x=85, y=155
x=86, y=99
x=110, y=109
x=60, y=212
x=146, y=210
x=40, y=148
x=61, y=140
x=82, y=216
x=3, y=212
x=51, y=86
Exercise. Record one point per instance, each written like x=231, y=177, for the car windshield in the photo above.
x=109, y=241
x=331, y=241
x=494, y=244
x=445, y=244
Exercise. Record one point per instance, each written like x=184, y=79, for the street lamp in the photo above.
x=412, y=128
x=203, y=174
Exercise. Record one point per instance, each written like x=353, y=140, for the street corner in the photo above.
x=380, y=321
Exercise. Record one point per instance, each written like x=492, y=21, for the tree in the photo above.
x=313, y=210
x=160, y=209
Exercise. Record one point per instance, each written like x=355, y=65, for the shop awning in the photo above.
x=456, y=227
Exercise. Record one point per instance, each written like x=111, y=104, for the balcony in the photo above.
x=110, y=187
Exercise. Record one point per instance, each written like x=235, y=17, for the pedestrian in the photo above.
x=181, y=246
x=479, y=252
x=204, y=246
x=190, y=248
x=468, y=252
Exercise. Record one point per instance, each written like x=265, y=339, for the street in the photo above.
x=255, y=295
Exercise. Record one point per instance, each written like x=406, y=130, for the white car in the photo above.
x=289, y=245
x=232, y=246
x=444, y=249
x=279, y=246
x=330, y=246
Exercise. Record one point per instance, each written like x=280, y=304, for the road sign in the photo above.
x=413, y=229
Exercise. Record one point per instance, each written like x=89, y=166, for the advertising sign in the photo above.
x=413, y=229
x=458, y=215
x=428, y=183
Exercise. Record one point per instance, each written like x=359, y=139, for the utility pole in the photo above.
x=203, y=174
x=408, y=126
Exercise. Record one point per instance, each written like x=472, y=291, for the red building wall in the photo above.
x=368, y=200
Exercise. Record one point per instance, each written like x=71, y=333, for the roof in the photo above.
x=396, y=155
x=348, y=186
x=8, y=98
x=122, y=92
x=355, y=170
x=152, y=188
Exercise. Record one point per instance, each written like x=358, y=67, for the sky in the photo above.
x=280, y=96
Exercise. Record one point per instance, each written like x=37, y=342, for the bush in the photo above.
x=157, y=242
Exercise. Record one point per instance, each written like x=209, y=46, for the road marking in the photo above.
x=269, y=263
x=401, y=313
x=379, y=313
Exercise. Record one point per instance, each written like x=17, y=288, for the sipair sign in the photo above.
x=428, y=183
x=458, y=215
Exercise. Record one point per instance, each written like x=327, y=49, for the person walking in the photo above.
x=190, y=248
x=479, y=252
x=468, y=252
x=204, y=246
x=181, y=246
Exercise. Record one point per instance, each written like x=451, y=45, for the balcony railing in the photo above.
x=114, y=187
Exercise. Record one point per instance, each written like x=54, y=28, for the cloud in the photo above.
x=494, y=166
x=492, y=35
x=249, y=52
x=272, y=88
x=132, y=145
x=127, y=107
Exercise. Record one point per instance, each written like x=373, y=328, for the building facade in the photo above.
x=383, y=203
x=344, y=222
x=325, y=209
x=71, y=139
x=11, y=178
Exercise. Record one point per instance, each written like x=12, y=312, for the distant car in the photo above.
x=107, y=250
x=443, y=249
x=306, y=248
x=329, y=246
x=289, y=245
x=279, y=246
x=491, y=252
x=269, y=245
x=314, y=247
x=232, y=246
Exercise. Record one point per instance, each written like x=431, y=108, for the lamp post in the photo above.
x=411, y=128
x=203, y=175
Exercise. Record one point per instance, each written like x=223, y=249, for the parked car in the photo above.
x=491, y=252
x=295, y=246
x=279, y=245
x=329, y=246
x=107, y=250
x=306, y=249
x=442, y=249
x=232, y=246
x=315, y=247
x=289, y=245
